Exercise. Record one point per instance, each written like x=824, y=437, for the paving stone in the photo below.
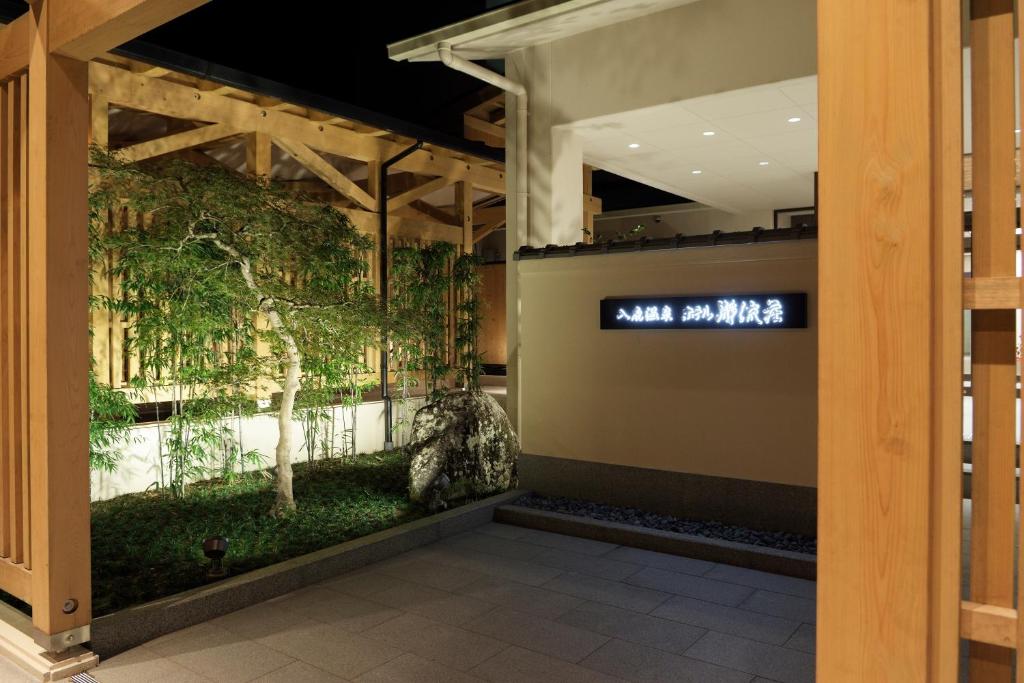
x=500, y=547
x=434, y=604
x=260, y=620
x=508, y=531
x=781, y=605
x=634, y=627
x=516, y=665
x=363, y=583
x=640, y=663
x=516, y=570
x=299, y=671
x=801, y=588
x=346, y=611
x=143, y=665
x=692, y=586
x=521, y=597
x=579, y=563
x=574, y=544
x=608, y=592
x=541, y=635
x=12, y=673
x=448, y=645
x=731, y=620
x=771, y=661
x=428, y=572
x=412, y=669
x=803, y=639
x=672, y=563
x=332, y=649
x=219, y=654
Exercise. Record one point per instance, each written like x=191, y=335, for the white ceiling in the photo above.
x=750, y=125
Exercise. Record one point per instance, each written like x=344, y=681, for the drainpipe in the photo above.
x=451, y=60
x=522, y=199
x=382, y=211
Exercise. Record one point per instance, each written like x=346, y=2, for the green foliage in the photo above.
x=111, y=416
x=219, y=248
x=148, y=545
x=466, y=280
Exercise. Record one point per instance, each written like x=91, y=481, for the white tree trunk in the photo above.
x=285, y=501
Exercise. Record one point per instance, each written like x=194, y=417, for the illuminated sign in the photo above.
x=721, y=312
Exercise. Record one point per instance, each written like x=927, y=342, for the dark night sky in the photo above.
x=338, y=49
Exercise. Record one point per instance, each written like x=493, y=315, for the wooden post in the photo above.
x=588, y=191
x=58, y=353
x=464, y=213
x=993, y=347
x=889, y=352
x=258, y=153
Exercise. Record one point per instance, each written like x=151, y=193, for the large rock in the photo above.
x=462, y=445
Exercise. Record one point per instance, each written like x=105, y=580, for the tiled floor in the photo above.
x=503, y=603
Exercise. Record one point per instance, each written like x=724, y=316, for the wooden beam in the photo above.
x=99, y=128
x=84, y=29
x=58, y=324
x=993, y=293
x=400, y=227
x=417, y=192
x=464, y=214
x=14, y=46
x=988, y=624
x=177, y=141
x=482, y=232
x=326, y=172
x=489, y=214
x=171, y=99
x=889, y=321
x=485, y=127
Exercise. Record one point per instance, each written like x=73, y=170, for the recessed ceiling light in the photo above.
x=634, y=145
x=794, y=119
x=709, y=133
x=696, y=171
x=762, y=163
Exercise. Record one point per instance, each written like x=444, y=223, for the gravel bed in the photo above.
x=779, y=540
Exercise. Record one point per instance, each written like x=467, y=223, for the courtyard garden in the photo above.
x=242, y=300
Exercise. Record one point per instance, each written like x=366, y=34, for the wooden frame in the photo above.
x=44, y=454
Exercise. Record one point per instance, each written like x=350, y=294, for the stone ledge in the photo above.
x=799, y=565
x=120, y=631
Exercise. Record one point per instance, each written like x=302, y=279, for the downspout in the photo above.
x=451, y=60
x=382, y=211
x=522, y=199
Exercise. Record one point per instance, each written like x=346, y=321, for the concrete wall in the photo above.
x=722, y=403
x=139, y=468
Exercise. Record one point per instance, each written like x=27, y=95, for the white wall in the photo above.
x=139, y=468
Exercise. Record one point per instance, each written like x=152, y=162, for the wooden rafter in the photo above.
x=162, y=96
x=418, y=192
x=326, y=172
x=84, y=29
x=487, y=229
x=178, y=141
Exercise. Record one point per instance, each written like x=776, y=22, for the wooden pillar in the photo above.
x=58, y=353
x=464, y=213
x=889, y=317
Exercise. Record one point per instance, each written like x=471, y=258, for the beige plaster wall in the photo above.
x=730, y=403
